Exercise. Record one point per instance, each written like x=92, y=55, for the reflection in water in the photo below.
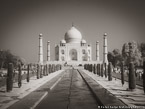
x=71, y=93
x=81, y=96
x=78, y=82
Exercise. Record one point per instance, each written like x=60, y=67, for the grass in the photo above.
x=3, y=79
x=138, y=81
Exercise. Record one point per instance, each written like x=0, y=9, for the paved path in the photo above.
x=118, y=76
x=135, y=99
x=9, y=98
x=70, y=93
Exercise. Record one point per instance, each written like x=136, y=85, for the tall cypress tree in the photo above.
x=144, y=76
x=38, y=71
x=102, y=70
x=19, y=76
x=28, y=73
x=132, y=78
x=105, y=72
x=10, y=77
x=122, y=73
x=110, y=72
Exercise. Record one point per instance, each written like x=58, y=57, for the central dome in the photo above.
x=73, y=36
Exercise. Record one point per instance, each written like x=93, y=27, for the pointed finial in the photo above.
x=105, y=34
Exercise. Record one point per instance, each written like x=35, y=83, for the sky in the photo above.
x=21, y=22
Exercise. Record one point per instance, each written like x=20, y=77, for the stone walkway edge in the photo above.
x=103, y=97
x=9, y=98
x=133, y=99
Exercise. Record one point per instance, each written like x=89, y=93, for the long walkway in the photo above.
x=70, y=93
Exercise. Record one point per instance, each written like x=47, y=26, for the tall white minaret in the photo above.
x=40, y=49
x=97, y=51
x=105, y=51
x=48, y=51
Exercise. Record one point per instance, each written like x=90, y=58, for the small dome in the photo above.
x=83, y=41
x=73, y=36
x=63, y=41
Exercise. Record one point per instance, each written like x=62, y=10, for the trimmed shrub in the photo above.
x=122, y=73
x=89, y=67
x=95, y=69
x=110, y=71
x=86, y=66
x=38, y=71
x=10, y=77
x=41, y=71
x=99, y=69
x=105, y=72
x=50, y=68
x=46, y=69
x=19, y=76
x=92, y=68
x=132, y=78
x=60, y=67
x=144, y=76
x=28, y=71
x=102, y=70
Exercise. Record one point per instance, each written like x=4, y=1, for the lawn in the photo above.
x=138, y=80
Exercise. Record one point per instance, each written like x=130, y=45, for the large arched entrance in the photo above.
x=73, y=55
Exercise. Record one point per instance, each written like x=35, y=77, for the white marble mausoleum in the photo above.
x=73, y=47
x=73, y=50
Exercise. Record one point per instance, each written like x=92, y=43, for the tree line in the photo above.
x=131, y=52
x=7, y=57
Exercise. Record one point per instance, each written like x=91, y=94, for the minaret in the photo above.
x=40, y=50
x=97, y=51
x=105, y=51
x=48, y=51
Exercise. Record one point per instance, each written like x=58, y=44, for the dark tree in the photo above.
x=50, y=68
x=38, y=71
x=10, y=77
x=142, y=49
x=105, y=72
x=19, y=76
x=99, y=69
x=95, y=69
x=131, y=53
x=132, y=78
x=110, y=71
x=102, y=70
x=115, y=57
x=144, y=76
x=28, y=73
x=7, y=57
x=122, y=73
x=41, y=71
x=46, y=69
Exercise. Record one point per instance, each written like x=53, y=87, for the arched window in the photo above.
x=73, y=54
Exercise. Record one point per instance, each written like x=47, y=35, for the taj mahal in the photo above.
x=73, y=49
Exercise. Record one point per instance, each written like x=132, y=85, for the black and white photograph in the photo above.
x=72, y=54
